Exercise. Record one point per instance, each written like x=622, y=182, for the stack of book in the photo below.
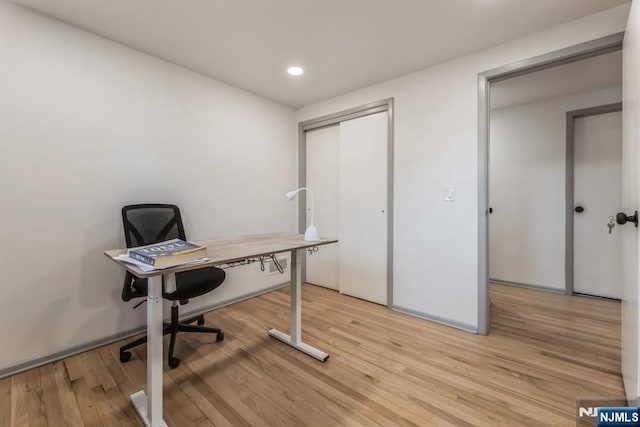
x=170, y=253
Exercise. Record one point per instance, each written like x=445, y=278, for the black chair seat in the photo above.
x=191, y=283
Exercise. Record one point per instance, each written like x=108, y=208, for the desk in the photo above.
x=220, y=251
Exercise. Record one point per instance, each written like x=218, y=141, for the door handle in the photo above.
x=579, y=209
x=623, y=218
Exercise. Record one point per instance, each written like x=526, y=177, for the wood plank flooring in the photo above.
x=386, y=369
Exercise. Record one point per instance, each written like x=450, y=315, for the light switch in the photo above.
x=451, y=194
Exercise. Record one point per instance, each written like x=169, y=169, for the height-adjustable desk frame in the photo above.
x=220, y=251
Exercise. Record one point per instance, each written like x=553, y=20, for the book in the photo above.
x=147, y=268
x=170, y=252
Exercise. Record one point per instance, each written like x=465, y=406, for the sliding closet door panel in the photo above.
x=322, y=178
x=362, y=206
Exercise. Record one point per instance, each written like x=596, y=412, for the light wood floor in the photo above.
x=385, y=369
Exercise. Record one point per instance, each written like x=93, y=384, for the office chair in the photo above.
x=146, y=224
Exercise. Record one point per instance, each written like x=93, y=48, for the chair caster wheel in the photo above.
x=174, y=362
x=200, y=321
x=125, y=356
x=219, y=336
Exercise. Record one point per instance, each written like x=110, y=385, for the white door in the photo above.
x=322, y=178
x=630, y=190
x=362, y=207
x=598, y=190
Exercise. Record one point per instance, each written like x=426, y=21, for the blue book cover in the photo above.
x=169, y=252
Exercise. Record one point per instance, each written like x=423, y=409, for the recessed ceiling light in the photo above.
x=295, y=71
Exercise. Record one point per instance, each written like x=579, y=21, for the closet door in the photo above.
x=322, y=178
x=362, y=207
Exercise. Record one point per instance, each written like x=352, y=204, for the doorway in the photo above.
x=594, y=193
x=564, y=56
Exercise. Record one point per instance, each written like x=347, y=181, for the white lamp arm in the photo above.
x=311, y=234
x=312, y=201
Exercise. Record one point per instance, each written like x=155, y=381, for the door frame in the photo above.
x=334, y=119
x=570, y=180
x=567, y=55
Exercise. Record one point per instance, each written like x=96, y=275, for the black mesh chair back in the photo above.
x=147, y=224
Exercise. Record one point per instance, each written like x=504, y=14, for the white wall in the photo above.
x=527, y=188
x=87, y=126
x=436, y=144
x=630, y=198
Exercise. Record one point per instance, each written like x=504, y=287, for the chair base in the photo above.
x=173, y=328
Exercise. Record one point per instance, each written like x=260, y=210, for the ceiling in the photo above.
x=591, y=74
x=342, y=44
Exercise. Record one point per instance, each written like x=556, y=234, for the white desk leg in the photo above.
x=295, y=320
x=295, y=340
x=149, y=407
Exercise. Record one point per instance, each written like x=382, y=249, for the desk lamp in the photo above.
x=312, y=234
